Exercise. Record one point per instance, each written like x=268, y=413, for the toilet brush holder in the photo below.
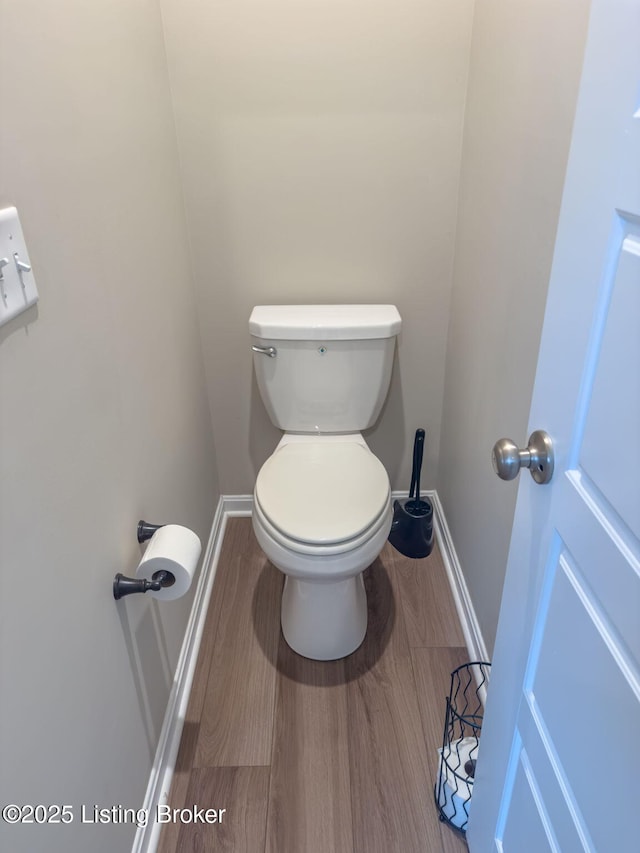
x=412, y=526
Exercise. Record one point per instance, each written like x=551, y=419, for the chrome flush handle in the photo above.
x=272, y=352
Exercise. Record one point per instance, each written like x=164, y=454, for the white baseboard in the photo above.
x=237, y=505
x=474, y=640
x=159, y=786
x=147, y=837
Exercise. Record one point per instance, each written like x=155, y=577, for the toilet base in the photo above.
x=324, y=620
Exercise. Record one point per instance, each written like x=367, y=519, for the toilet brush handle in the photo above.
x=414, y=467
x=418, y=451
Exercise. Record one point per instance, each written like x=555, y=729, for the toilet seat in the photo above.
x=300, y=549
x=322, y=497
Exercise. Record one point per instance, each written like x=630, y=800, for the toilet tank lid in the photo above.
x=324, y=322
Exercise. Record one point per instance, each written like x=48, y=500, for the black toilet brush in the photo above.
x=412, y=526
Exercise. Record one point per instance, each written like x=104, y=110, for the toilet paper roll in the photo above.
x=174, y=549
x=455, y=787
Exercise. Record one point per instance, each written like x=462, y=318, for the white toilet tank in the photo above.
x=332, y=364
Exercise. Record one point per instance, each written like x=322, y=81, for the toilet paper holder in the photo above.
x=146, y=530
x=123, y=585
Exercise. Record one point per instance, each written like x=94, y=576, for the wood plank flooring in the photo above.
x=309, y=756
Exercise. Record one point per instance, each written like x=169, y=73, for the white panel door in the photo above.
x=559, y=761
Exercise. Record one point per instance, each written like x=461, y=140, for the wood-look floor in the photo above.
x=309, y=756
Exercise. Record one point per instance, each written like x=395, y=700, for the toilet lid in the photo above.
x=322, y=492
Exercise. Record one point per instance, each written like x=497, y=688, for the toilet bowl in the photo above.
x=322, y=513
x=322, y=500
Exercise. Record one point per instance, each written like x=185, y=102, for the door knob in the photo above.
x=508, y=459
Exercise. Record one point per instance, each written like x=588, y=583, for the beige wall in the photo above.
x=103, y=418
x=525, y=66
x=320, y=148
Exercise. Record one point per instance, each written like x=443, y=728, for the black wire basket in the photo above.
x=459, y=752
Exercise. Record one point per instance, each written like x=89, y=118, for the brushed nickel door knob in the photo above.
x=507, y=458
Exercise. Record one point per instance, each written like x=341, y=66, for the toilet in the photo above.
x=322, y=500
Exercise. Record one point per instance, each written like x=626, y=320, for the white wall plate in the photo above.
x=17, y=283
